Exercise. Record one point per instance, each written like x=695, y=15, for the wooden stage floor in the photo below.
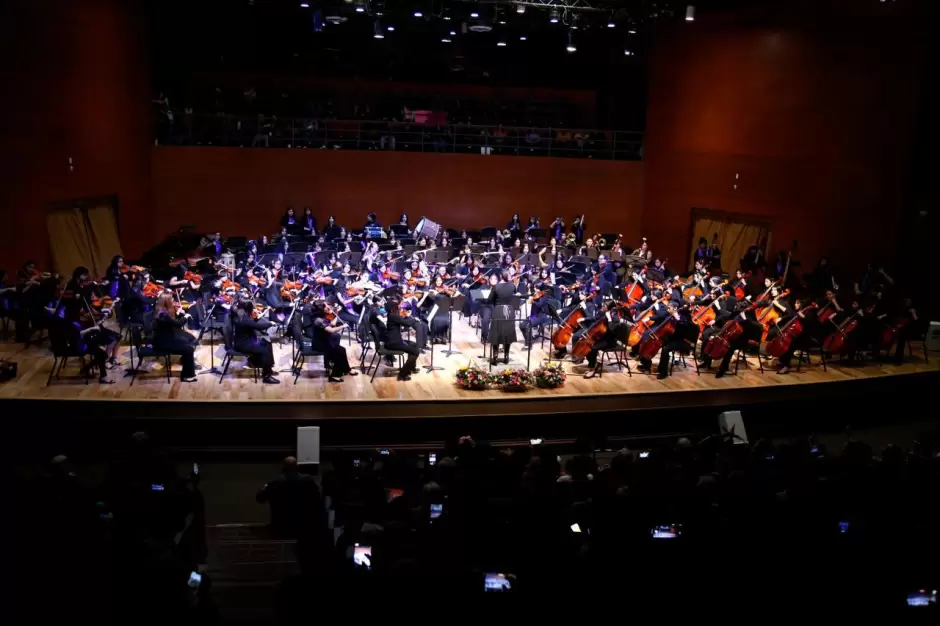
x=427, y=394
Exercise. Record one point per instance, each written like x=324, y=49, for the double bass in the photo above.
x=780, y=344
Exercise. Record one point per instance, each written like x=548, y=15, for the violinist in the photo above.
x=170, y=336
x=34, y=289
x=309, y=223
x=403, y=220
x=213, y=247
x=76, y=300
x=69, y=334
x=372, y=221
x=438, y=295
x=388, y=323
x=134, y=304
x=288, y=221
x=543, y=300
x=331, y=223
x=445, y=242
x=325, y=332
x=248, y=339
x=178, y=281
x=275, y=284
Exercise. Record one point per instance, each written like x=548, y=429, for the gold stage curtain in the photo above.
x=85, y=237
x=103, y=239
x=734, y=238
x=68, y=240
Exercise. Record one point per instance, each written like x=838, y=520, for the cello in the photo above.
x=780, y=344
x=720, y=343
x=567, y=328
x=633, y=292
x=705, y=315
x=643, y=323
x=654, y=341
x=836, y=341
x=770, y=315
x=585, y=344
x=693, y=287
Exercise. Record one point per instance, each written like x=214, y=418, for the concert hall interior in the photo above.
x=533, y=235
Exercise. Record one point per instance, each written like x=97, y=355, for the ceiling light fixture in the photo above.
x=553, y=16
x=419, y=14
x=377, y=32
x=304, y=5
x=522, y=38
x=391, y=29
x=611, y=25
x=360, y=6
x=520, y=8
x=571, y=47
x=501, y=44
x=629, y=53
x=474, y=14
x=690, y=13
x=445, y=40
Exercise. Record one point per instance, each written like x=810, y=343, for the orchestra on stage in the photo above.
x=398, y=290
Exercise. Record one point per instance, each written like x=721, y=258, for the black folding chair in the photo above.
x=228, y=337
x=303, y=348
x=381, y=353
x=145, y=350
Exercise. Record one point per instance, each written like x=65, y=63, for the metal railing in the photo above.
x=274, y=132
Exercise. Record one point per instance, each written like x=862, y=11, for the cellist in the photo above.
x=682, y=339
x=661, y=312
x=618, y=330
x=801, y=342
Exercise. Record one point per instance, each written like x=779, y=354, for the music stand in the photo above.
x=435, y=311
x=452, y=303
x=205, y=321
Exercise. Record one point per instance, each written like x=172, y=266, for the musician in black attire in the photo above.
x=76, y=298
x=752, y=332
x=309, y=222
x=389, y=325
x=540, y=310
x=325, y=337
x=904, y=319
x=248, y=339
x=169, y=336
x=661, y=312
x=372, y=222
x=725, y=311
x=514, y=226
x=503, y=332
x=618, y=332
x=682, y=340
x=801, y=342
x=134, y=304
x=288, y=221
x=66, y=334
x=113, y=278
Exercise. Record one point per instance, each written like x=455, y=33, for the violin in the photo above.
x=788, y=333
x=257, y=281
x=134, y=269
x=259, y=311
x=151, y=290
x=192, y=277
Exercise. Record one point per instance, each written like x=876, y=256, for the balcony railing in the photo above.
x=270, y=132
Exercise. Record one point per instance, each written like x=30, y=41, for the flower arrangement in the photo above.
x=550, y=376
x=513, y=380
x=472, y=376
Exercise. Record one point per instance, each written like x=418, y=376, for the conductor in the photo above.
x=503, y=331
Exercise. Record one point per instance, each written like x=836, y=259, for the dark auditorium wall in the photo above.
x=242, y=191
x=815, y=117
x=77, y=85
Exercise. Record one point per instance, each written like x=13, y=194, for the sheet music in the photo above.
x=361, y=314
x=486, y=292
x=432, y=313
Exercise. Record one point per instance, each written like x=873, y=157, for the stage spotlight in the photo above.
x=453, y=33
x=501, y=44
x=360, y=6
x=419, y=14
x=520, y=8
x=474, y=14
x=377, y=32
x=611, y=25
x=629, y=53
x=553, y=16
x=445, y=40
x=690, y=13
x=391, y=29
x=503, y=22
x=304, y=5
x=571, y=47
x=522, y=38
x=632, y=31
x=447, y=18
